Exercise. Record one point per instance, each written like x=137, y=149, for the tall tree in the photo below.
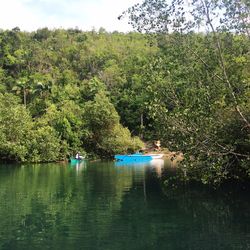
x=205, y=80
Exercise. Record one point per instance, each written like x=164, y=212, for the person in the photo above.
x=78, y=156
x=158, y=145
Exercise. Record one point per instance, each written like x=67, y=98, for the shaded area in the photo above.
x=103, y=206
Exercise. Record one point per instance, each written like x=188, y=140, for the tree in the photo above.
x=106, y=135
x=23, y=87
x=206, y=84
x=16, y=124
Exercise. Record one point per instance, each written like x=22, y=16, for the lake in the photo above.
x=104, y=205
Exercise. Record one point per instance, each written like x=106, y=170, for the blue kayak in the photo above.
x=133, y=158
x=74, y=160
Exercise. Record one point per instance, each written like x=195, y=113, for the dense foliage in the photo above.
x=185, y=82
x=202, y=104
x=56, y=91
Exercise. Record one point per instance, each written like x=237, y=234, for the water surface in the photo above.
x=115, y=206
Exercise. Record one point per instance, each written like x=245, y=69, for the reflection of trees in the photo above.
x=37, y=228
x=183, y=218
x=61, y=204
x=32, y=196
x=104, y=207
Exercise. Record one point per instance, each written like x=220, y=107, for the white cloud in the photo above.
x=85, y=14
x=13, y=13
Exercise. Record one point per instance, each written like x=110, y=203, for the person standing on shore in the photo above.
x=158, y=145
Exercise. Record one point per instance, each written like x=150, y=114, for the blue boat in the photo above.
x=133, y=158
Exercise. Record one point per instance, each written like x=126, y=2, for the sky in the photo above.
x=30, y=15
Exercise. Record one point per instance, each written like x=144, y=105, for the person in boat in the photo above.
x=79, y=156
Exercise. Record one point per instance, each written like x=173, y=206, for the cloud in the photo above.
x=86, y=14
x=13, y=13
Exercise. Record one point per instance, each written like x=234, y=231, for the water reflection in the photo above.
x=110, y=206
x=79, y=166
x=156, y=165
x=131, y=164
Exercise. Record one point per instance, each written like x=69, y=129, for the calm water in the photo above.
x=105, y=206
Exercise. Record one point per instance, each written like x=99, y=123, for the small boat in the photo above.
x=133, y=158
x=74, y=160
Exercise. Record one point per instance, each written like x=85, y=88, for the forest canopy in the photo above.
x=184, y=81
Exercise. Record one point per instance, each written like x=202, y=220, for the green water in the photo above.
x=105, y=206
